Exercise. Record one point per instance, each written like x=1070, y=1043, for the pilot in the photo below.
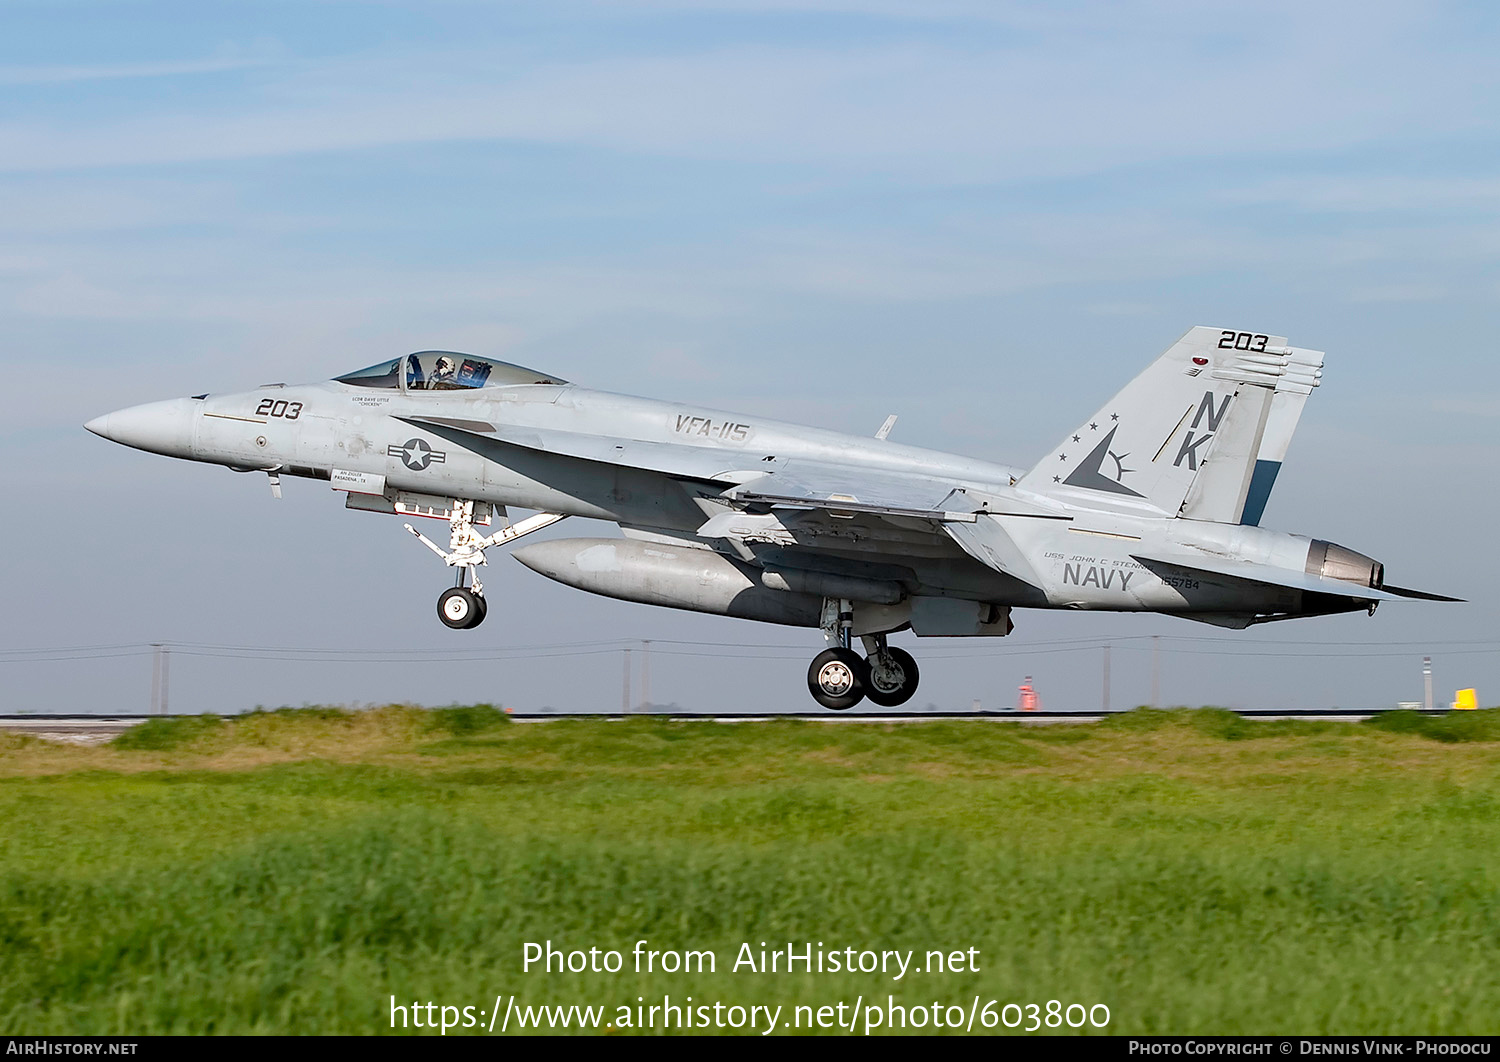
x=444, y=374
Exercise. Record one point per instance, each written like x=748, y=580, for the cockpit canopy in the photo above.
x=445, y=370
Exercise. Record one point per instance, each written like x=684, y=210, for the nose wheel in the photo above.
x=461, y=608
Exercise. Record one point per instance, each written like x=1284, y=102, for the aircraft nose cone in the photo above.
x=158, y=427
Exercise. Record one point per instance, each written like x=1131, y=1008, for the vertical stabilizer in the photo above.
x=1203, y=411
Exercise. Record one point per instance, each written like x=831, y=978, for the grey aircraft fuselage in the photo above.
x=335, y=425
x=1151, y=505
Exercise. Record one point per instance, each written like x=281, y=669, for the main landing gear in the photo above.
x=840, y=678
x=463, y=607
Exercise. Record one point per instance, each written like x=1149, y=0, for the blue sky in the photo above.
x=985, y=217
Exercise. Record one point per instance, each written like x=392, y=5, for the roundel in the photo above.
x=416, y=454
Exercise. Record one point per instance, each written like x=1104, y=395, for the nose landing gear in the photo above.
x=464, y=607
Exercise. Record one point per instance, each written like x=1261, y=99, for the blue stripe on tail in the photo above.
x=1261, y=482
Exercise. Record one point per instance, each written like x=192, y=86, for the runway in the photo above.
x=1347, y=715
x=72, y=729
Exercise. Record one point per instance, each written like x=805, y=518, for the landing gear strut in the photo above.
x=837, y=676
x=840, y=678
x=463, y=607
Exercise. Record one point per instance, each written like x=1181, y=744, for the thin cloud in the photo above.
x=996, y=110
x=60, y=75
x=1371, y=193
x=1487, y=406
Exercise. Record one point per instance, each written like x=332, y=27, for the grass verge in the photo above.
x=1195, y=872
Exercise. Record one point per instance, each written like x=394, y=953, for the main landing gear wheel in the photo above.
x=892, y=677
x=461, y=608
x=838, y=678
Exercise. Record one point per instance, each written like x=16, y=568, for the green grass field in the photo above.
x=291, y=871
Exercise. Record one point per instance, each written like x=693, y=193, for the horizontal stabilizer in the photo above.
x=1419, y=595
x=1267, y=574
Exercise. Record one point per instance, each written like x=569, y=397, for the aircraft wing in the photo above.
x=691, y=462
x=968, y=516
x=841, y=490
x=1273, y=576
x=973, y=518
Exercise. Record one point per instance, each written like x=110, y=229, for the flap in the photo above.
x=848, y=489
x=987, y=541
x=851, y=489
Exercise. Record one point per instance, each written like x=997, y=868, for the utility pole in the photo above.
x=645, y=674
x=625, y=686
x=1156, y=671
x=155, y=676
x=160, y=680
x=1105, y=701
x=1427, y=683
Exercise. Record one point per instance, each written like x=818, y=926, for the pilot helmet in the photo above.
x=446, y=366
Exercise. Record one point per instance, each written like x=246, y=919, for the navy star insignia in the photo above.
x=416, y=455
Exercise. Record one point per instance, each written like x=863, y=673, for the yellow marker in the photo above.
x=1467, y=701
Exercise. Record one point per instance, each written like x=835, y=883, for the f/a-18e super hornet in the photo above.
x=1152, y=504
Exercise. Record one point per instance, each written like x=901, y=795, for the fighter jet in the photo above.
x=1151, y=504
